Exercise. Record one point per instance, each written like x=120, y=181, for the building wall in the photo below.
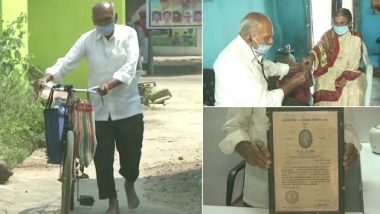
x=9, y=11
x=221, y=24
x=216, y=165
x=370, y=30
x=1, y=15
x=55, y=25
x=292, y=24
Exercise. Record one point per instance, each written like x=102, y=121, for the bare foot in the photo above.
x=113, y=206
x=133, y=200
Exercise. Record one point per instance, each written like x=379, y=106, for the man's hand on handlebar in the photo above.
x=103, y=89
x=106, y=87
x=41, y=83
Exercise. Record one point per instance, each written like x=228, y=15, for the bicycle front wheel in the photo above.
x=67, y=176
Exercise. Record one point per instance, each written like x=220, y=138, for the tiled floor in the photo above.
x=375, y=96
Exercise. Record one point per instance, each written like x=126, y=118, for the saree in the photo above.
x=338, y=80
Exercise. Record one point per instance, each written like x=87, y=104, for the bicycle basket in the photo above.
x=54, y=123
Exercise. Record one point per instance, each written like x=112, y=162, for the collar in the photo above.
x=252, y=54
x=115, y=31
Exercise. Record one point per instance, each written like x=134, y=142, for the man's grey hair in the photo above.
x=248, y=26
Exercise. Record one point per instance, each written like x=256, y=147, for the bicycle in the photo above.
x=70, y=173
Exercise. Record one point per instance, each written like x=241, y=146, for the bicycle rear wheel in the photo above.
x=67, y=176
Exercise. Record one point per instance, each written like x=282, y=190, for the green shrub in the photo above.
x=20, y=112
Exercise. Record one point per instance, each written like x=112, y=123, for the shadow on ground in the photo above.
x=163, y=194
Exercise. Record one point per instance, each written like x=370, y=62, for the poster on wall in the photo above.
x=174, y=13
x=174, y=37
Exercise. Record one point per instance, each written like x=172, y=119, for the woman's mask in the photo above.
x=340, y=30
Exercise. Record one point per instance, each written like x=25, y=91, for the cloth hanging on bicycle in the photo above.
x=84, y=129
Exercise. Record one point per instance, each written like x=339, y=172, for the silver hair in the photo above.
x=248, y=26
x=245, y=27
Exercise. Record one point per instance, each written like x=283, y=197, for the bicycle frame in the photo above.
x=68, y=176
x=70, y=100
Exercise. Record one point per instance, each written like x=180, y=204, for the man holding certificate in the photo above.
x=246, y=133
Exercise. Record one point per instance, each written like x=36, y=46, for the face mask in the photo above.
x=262, y=49
x=340, y=30
x=106, y=30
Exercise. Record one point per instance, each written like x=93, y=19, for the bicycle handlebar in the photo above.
x=66, y=88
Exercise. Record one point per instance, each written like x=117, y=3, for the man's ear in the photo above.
x=115, y=17
x=250, y=38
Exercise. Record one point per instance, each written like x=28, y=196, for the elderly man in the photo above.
x=242, y=71
x=339, y=82
x=112, y=52
x=246, y=133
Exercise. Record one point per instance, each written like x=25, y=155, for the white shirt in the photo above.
x=239, y=81
x=115, y=58
x=251, y=124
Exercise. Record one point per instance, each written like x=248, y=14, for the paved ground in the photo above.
x=170, y=180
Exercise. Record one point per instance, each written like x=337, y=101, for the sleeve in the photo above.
x=70, y=61
x=127, y=72
x=235, y=129
x=319, y=50
x=275, y=69
x=236, y=84
x=316, y=58
x=349, y=134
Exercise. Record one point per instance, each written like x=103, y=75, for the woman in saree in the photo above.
x=338, y=80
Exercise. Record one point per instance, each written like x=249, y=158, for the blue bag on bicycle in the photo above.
x=54, y=124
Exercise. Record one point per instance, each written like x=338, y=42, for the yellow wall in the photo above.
x=55, y=25
x=10, y=10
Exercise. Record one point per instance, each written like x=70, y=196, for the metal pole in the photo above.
x=150, y=67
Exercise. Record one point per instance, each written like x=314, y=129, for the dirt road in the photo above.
x=170, y=178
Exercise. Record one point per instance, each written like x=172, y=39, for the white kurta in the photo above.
x=251, y=124
x=239, y=81
x=115, y=58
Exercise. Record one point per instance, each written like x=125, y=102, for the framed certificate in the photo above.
x=307, y=174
